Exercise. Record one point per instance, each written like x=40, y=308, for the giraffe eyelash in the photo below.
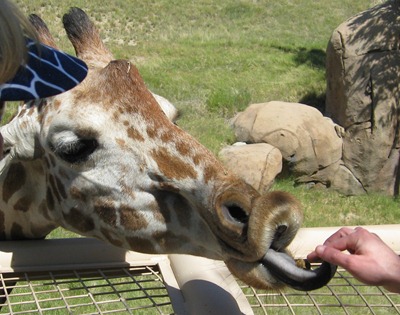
x=73, y=149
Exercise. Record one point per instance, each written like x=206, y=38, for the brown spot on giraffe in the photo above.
x=132, y=219
x=182, y=148
x=23, y=204
x=208, y=173
x=166, y=136
x=197, y=158
x=31, y=111
x=135, y=134
x=78, y=220
x=151, y=131
x=106, y=212
x=121, y=142
x=56, y=104
x=77, y=194
x=14, y=180
x=178, y=170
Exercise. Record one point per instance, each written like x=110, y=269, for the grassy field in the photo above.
x=213, y=58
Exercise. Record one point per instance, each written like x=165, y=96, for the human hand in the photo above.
x=370, y=261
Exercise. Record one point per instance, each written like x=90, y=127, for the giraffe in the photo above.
x=103, y=160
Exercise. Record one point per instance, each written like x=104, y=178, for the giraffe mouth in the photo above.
x=284, y=268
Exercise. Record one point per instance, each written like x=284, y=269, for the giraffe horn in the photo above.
x=43, y=31
x=85, y=38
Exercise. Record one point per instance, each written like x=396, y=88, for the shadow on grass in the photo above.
x=315, y=100
x=314, y=58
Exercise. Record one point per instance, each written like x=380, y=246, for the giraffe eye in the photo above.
x=73, y=149
x=78, y=151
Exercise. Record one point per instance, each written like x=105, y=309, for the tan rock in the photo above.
x=363, y=66
x=258, y=164
x=307, y=140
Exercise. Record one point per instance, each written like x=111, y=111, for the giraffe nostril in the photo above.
x=236, y=213
x=279, y=232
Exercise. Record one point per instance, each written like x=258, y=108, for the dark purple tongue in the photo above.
x=284, y=268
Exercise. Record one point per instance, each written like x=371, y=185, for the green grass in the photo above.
x=328, y=208
x=213, y=58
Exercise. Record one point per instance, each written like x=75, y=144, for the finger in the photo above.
x=365, y=232
x=313, y=257
x=343, y=232
x=349, y=242
x=332, y=255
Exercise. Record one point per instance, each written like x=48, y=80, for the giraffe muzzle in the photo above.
x=263, y=231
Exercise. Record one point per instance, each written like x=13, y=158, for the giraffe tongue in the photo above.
x=284, y=268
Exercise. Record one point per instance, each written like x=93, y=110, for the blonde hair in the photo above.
x=14, y=26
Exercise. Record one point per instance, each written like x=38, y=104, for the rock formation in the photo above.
x=363, y=63
x=357, y=149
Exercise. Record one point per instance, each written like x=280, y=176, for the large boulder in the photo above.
x=363, y=66
x=308, y=141
x=258, y=164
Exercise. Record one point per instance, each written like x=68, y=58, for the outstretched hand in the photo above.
x=371, y=261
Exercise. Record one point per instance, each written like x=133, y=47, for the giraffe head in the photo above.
x=104, y=160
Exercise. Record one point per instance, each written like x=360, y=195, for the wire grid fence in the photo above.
x=141, y=290
x=130, y=290
x=343, y=295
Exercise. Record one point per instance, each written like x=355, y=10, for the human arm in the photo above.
x=371, y=261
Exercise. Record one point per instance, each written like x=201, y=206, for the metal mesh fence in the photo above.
x=343, y=295
x=141, y=290
x=131, y=290
x=85, y=277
